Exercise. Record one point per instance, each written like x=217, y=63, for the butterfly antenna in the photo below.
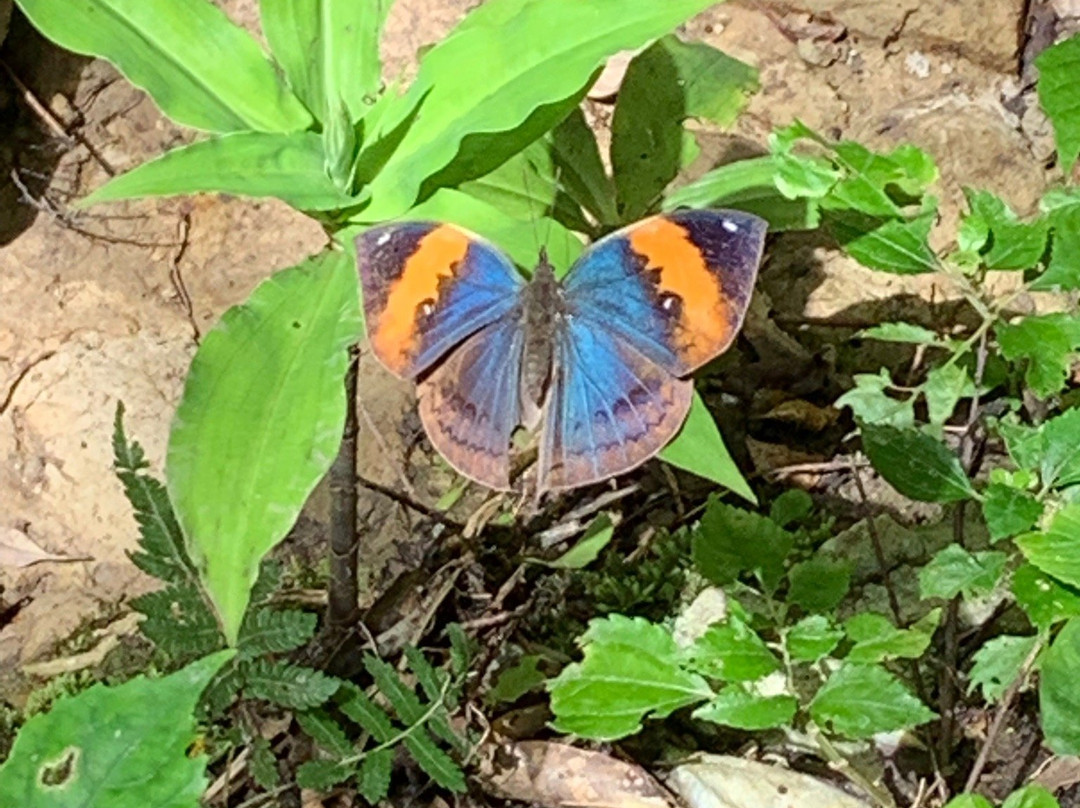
x=532, y=213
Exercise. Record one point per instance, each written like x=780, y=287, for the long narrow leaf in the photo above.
x=202, y=70
x=260, y=422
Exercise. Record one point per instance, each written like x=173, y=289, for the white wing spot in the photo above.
x=729, y=225
x=381, y=240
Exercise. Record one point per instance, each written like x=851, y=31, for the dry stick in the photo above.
x=343, y=611
x=999, y=717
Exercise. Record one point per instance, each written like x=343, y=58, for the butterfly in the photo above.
x=599, y=361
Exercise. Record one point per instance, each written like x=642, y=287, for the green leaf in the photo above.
x=899, y=246
x=325, y=731
x=272, y=631
x=819, y=584
x=631, y=669
x=699, y=449
x=263, y=764
x=435, y=762
x=945, y=385
x=791, y=506
x=812, y=638
x=580, y=169
x=329, y=50
x=732, y=651
x=1009, y=511
x=1060, y=96
x=287, y=685
x=179, y=622
x=358, y=706
x=1010, y=243
x=871, y=404
x=1045, y=600
x=1056, y=550
x=872, y=181
x=321, y=775
x=665, y=84
x=401, y=697
x=1059, y=698
x=597, y=536
x=900, y=332
x=969, y=801
x=1048, y=342
x=997, y=664
x=1030, y=796
x=877, y=639
x=260, y=421
x=524, y=187
x=730, y=541
x=1063, y=271
x=915, y=464
x=954, y=570
x=373, y=779
x=97, y=748
x=1060, y=450
x=735, y=707
x=200, y=69
x=288, y=166
x=862, y=700
x=507, y=63
x=517, y=680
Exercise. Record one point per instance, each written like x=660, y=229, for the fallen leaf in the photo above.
x=19, y=550
x=556, y=775
x=719, y=781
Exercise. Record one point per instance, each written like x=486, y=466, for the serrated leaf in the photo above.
x=730, y=541
x=1060, y=97
x=179, y=622
x=732, y=651
x=515, y=681
x=222, y=691
x=361, y=709
x=997, y=663
x=1059, y=697
x=870, y=402
x=1048, y=343
x=735, y=707
x=319, y=775
x=860, y=701
x=1030, y=796
x=945, y=385
x=402, y=698
x=373, y=779
x=915, y=464
x=900, y=332
x=325, y=731
x=899, y=246
x=271, y=631
x=1062, y=273
x=954, y=570
x=263, y=764
x=792, y=505
x=102, y=743
x=461, y=649
x=432, y=682
x=288, y=685
x=1044, y=599
x=812, y=638
x=877, y=639
x=1010, y=243
x=1009, y=511
x=436, y=763
x=1059, y=464
x=631, y=670
x=1056, y=550
x=819, y=583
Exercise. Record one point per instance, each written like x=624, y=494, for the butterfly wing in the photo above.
x=426, y=288
x=470, y=404
x=675, y=287
x=610, y=408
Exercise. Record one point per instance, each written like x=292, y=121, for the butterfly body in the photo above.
x=599, y=361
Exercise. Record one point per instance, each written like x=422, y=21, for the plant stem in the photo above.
x=343, y=611
x=837, y=761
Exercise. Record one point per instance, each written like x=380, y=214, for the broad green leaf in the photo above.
x=260, y=422
x=1056, y=550
x=596, y=537
x=1059, y=697
x=524, y=187
x=750, y=185
x=288, y=166
x=665, y=84
x=900, y=332
x=945, y=385
x=1032, y=795
x=200, y=69
x=514, y=682
x=699, y=449
x=791, y=506
x=803, y=177
x=735, y=707
x=732, y=651
x=819, y=583
x=812, y=638
x=1060, y=449
x=871, y=181
x=954, y=570
x=581, y=170
x=97, y=748
x=998, y=663
x=899, y=246
x=1063, y=271
x=631, y=670
x=1009, y=511
x=1045, y=600
x=730, y=541
x=969, y=801
x=508, y=63
x=329, y=50
x=1010, y=243
x=1048, y=342
x=871, y=403
x=877, y=639
x=915, y=464
x=1060, y=96
x=859, y=701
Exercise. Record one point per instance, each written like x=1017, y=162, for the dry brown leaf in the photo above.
x=19, y=550
x=719, y=781
x=556, y=775
x=611, y=77
x=108, y=638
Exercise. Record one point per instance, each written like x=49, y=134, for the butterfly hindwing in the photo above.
x=471, y=402
x=610, y=408
x=675, y=286
x=427, y=287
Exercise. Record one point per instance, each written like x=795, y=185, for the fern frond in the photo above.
x=319, y=775
x=270, y=631
x=179, y=623
x=263, y=764
x=222, y=691
x=373, y=779
x=361, y=709
x=326, y=732
x=436, y=763
x=266, y=584
x=402, y=699
x=436, y=686
x=290, y=686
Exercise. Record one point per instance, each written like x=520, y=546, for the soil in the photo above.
x=107, y=305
